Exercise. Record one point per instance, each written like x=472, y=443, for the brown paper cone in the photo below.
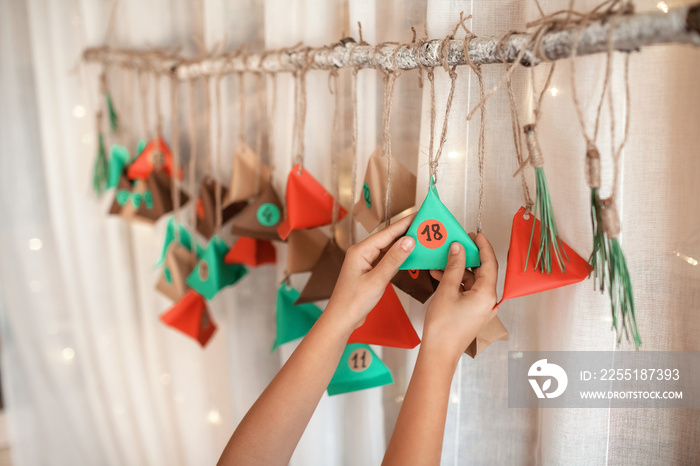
x=179, y=263
x=158, y=187
x=323, y=276
x=304, y=249
x=260, y=219
x=416, y=283
x=493, y=331
x=249, y=176
x=206, y=207
x=369, y=209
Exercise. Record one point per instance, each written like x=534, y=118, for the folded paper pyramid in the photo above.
x=191, y=316
x=493, y=331
x=293, y=321
x=359, y=368
x=249, y=175
x=206, y=207
x=418, y=284
x=175, y=230
x=304, y=249
x=519, y=282
x=118, y=160
x=179, y=263
x=211, y=274
x=252, y=252
x=309, y=205
x=155, y=157
x=146, y=200
x=324, y=275
x=435, y=229
x=387, y=324
x=369, y=209
x=260, y=218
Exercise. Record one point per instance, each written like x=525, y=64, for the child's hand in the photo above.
x=360, y=286
x=463, y=302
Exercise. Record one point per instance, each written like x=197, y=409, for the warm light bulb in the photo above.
x=214, y=417
x=35, y=244
x=68, y=353
x=662, y=6
x=79, y=111
x=554, y=91
x=453, y=154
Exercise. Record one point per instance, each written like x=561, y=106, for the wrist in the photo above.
x=338, y=320
x=443, y=348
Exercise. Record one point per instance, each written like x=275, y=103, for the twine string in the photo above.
x=175, y=130
x=193, y=155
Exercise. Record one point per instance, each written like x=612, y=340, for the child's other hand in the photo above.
x=463, y=302
x=360, y=286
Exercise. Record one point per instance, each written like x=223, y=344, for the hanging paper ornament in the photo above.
x=172, y=230
x=211, y=274
x=191, y=316
x=293, y=321
x=206, y=207
x=156, y=156
x=100, y=170
x=145, y=200
x=324, y=274
x=599, y=256
x=260, y=219
x=491, y=332
x=304, y=248
x=309, y=205
x=370, y=208
x=252, y=252
x=520, y=281
x=435, y=229
x=359, y=368
x=179, y=264
x=387, y=324
x=249, y=175
x=118, y=160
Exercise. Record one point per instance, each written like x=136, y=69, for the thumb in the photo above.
x=392, y=260
x=454, y=271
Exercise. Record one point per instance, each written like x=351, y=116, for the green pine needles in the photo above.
x=621, y=297
x=113, y=118
x=599, y=256
x=100, y=169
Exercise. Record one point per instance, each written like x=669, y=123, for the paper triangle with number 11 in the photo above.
x=293, y=321
x=435, y=229
x=520, y=282
x=359, y=368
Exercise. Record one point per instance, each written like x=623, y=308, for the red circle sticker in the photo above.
x=414, y=273
x=432, y=234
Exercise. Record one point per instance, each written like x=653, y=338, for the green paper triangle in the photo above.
x=359, y=368
x=293, y=322
x=118, y=158
x=140, y=147
x=433, y=244
x=185, y=240
x=217, y=275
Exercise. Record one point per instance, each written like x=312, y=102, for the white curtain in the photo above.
x=90, y=376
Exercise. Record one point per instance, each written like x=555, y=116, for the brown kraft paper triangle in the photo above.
x=304, y=249
x=493, y=331
x=260, y=219
x=179, y=263
x=324, y=275
x=369, y=209
x=146, y=200
x=249, y=175
x=206, y=207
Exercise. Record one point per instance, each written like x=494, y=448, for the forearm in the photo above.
x=271, y=429
x=417, y=437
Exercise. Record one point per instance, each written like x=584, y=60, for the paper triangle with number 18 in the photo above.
x=359, y=368
x=309, y=205
x=519, y=282
x=435, y=229
x=387, y=324
x=293, y=321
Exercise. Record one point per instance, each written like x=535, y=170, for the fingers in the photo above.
x=487, y=274
x=392, y=260
x=385, y=237
x=454, y=270
x=467, y=278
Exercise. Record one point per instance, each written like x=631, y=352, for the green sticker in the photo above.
x=168, y=276
x=268, y=214
x=367, y=195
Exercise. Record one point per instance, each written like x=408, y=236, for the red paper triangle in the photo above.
x=252, y=252
x=309, y=205
x=144, y=164
x=518, y=282
x=387, y=324
x=191, y=316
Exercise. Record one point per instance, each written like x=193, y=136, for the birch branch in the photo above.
x=630, y=33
